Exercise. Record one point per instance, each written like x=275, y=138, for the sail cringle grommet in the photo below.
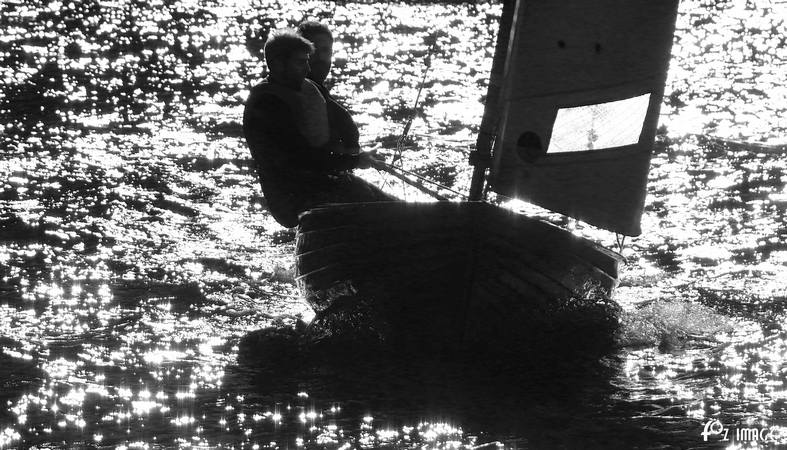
x=529, y=147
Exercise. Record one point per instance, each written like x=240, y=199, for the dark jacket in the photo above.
x=340, y=119
x=291, y=170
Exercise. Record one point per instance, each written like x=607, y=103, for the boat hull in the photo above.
x=448, y=275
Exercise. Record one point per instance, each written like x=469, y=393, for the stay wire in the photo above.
x=397, y=156
x=409, y=123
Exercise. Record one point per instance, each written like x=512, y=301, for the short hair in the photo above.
x=311, y=28
x=283, y=43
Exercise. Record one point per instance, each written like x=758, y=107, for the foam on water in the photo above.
x=672, y=324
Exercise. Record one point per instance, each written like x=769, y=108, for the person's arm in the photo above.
x=344, y=126
x=269, y=122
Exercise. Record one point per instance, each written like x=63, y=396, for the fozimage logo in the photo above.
x=714, y=428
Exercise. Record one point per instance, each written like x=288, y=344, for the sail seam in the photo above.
x=604, y=88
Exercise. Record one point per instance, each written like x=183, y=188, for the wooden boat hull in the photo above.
x=450, y=275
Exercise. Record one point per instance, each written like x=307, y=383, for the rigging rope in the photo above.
x=409, y=123
x=621, y=240
x=394, y=170
x=397, y=156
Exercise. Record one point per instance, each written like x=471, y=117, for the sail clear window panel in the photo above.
x=599, y=126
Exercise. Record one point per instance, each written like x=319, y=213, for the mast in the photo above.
x=481, y=157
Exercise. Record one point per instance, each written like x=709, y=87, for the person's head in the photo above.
x=287, y=56
x=319, y=35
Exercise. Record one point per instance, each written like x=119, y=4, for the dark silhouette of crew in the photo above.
x=304, y=157
x=320, y=64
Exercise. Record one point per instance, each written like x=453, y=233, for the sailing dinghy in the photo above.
x=569, y=124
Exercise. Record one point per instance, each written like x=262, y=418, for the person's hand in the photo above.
x=369, y=159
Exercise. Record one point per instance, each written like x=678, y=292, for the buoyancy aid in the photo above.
x=308, y=106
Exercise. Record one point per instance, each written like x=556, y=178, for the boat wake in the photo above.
x=671, y=325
